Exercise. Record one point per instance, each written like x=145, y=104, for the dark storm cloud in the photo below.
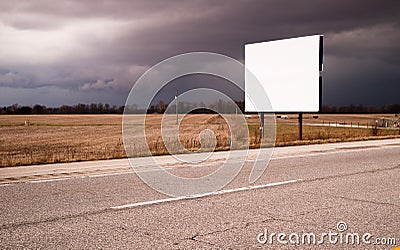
x=101, y=47
x=379, y=42
x=225, y=27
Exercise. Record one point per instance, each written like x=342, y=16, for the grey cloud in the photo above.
x=227, y=27
x=13, y=79
x=376, y=42
x=362, y=35
x=98, y=85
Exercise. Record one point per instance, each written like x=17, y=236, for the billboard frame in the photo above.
x=319, y=86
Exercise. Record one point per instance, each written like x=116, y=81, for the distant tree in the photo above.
x=183, y=107
x=107, y=108
x=151, y=110
x=39, y=109
x=160, y=107
x=24, y=110
x=100, y=108
x=65, y=109
x=120, y=110
x=93, y=108
x=81, y=108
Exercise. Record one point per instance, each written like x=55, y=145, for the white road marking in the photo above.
x=78, y=176
x=110, y=174
x=55, y=179
x=226, y=191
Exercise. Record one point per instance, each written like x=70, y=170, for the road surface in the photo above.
x=342, y=189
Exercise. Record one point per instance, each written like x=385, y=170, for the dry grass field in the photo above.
x=38, y=139
x=59, y=138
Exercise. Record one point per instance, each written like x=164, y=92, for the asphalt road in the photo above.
x=306, y=190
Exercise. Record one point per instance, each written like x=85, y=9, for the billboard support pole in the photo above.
x=262, y=125
x=176, y=106
x=300, y=126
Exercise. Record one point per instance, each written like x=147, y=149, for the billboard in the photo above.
x=288, y=71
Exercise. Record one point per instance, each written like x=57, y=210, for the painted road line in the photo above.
x=189, y=197
x=111, y=174
x=55, y=179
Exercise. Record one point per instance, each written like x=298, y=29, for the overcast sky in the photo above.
x=69, y=52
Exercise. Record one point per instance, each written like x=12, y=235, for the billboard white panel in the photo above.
x=288, y=71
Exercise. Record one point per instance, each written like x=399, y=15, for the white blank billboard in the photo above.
x=288, y=71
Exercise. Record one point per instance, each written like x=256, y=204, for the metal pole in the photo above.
x=262, y=125
x=300, y=126
x=176, y=106
x=236, y=113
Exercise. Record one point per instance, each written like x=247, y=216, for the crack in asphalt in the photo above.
x=247, y=224
x=313, y=211
x=352, y=174
x=365, y=201
x=194, y=238
x=54, y=219
x=348, y=174
x=107, y=210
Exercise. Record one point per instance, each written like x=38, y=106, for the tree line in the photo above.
x=93, y=108
x=360, y=109
x=183, y=107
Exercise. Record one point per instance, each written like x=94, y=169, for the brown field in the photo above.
x=38, y=139
x=363, y=119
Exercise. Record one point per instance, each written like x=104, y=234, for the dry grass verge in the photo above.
x=67, y=138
